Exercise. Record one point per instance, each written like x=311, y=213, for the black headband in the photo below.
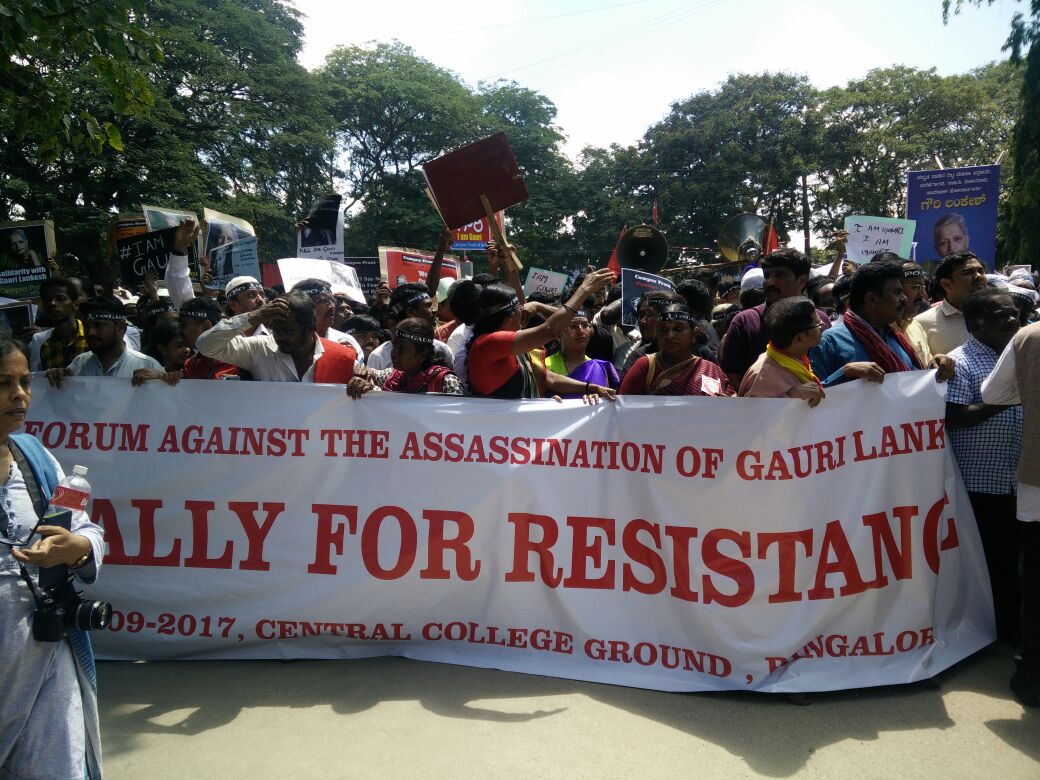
x=912, y=273
x=92, y=316
x=581, y=313
x=242, y=288
x=161, y=308
x=195, y=314
x=417, y=298
x=323, y=290
x=677, y=316
x=507, y=308
x=418, y=339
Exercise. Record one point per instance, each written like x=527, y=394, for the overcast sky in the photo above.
x=613, y=67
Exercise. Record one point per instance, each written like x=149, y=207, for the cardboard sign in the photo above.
x=474, y=236
x=955, y=210
x=24, y=249
x=223, y=229
x=16, y=317
x=399, y=265
x=869, y=236
x=634, y=285
x=230, y=260
x=147, y=253
x=342, y=277
x=459, y=178
x=160, y=218
x=124, y=226
x=322, y=235
x=539, y=280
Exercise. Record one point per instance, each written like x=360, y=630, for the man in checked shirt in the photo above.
x=986, y=442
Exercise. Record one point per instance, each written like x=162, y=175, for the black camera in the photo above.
x=59, y=608
x=58, y=605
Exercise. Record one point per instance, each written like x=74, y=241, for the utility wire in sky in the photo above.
x=549, y=18
x=608, y=41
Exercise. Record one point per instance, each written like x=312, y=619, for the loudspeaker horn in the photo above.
x=643, y=248
x=741, y=238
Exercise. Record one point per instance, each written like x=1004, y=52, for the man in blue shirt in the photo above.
x=865, y=344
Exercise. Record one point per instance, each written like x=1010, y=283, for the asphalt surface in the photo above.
x=392, y=717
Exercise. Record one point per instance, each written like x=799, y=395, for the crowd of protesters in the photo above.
x=784, y=330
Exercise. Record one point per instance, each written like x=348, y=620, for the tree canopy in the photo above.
x=204, y=103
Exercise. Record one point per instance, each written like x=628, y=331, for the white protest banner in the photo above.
x=869, y=236
x=758, y=545
x=343, y=278
x=539, y=280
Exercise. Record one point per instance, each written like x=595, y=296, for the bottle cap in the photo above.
x=79, y=471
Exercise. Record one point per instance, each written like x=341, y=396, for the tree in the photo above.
x=899, y=119
x=741, y=148
x=1022, y=209
x=236, y=124
x=41, y=39
x=538, y=226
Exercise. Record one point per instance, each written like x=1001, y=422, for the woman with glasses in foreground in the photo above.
x=48, y=698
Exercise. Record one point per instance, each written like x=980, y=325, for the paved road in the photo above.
x=395, y=718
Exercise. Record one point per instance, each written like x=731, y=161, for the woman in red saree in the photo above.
x=674, y=369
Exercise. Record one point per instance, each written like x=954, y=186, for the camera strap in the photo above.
x=38, y=501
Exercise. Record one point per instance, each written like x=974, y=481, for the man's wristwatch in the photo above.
x=80, y=562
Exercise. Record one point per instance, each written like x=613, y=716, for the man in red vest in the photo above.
x=292, y=352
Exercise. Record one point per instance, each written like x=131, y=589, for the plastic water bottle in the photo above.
x=72, y=493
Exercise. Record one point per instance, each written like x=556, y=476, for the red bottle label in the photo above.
x=70, y=498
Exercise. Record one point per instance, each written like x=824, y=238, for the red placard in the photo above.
x=474, y=236
x=459, y=178
x=398, y=266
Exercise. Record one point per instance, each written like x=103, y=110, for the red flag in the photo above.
x=772, y=243
x=613, y=263
x=653, y=212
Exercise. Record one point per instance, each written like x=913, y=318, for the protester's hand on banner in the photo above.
x=871, y=372
x=597, y=392
x=142, y=375
x=809, y=391
x=358, y=386
x=945, y=367
x=52, y=263
x=206, y=273
x=187, y=233
x=444, y=241
x=56, y=377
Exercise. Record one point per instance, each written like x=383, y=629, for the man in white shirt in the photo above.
x=291, y=352
x=321, y=296
x=1012, y=381
x=959, y=275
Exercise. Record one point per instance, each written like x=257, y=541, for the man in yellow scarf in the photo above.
x=783, y=370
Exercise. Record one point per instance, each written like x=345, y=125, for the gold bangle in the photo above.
x=79, y=563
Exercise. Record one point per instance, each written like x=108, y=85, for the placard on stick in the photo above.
x=459, y=178
x=474, y=182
